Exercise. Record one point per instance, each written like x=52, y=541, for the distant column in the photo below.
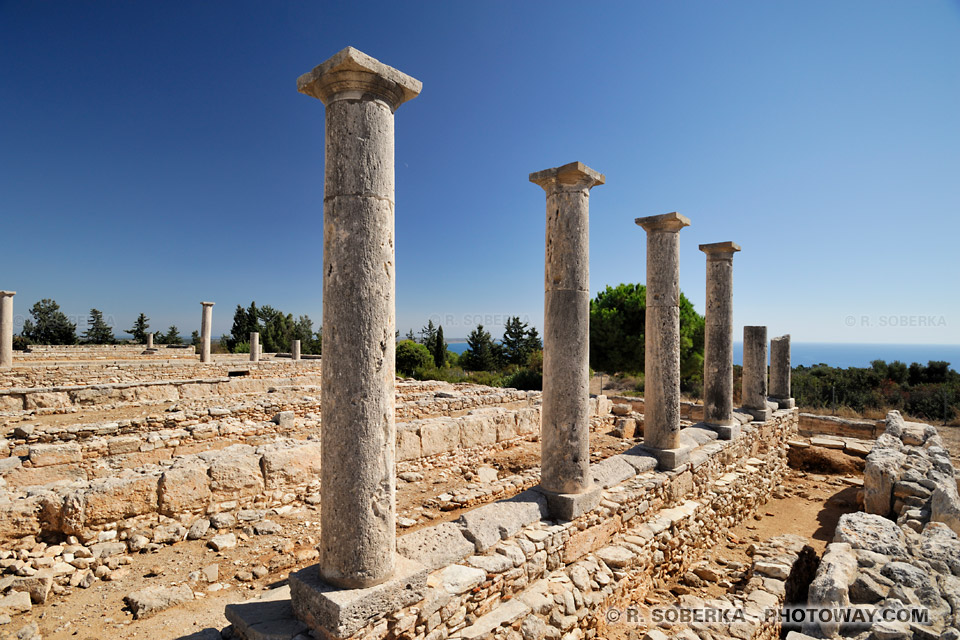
x=565, y=429
x=6, y=328
x=780, y=372
x=149, y=341
x=754, y=381
x=718, y=340
x=255, y=346
x=661, y=395
x=295, y=350
x=206, y=324
x=358, y=481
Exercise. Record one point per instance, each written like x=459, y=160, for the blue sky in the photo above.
x=153, y=155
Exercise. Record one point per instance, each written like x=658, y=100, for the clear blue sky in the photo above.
x=156, y=154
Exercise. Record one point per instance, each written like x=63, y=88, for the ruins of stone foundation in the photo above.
x=324, y=468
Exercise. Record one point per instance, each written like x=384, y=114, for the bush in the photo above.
x=525, y=380
x=412, y=356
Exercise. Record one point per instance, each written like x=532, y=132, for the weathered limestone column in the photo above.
x=718, y=340
x=6, y=328
x=254, y=346
x=149, y=341
x=754, y=381
x=661, y=395
x=358, y=481
x=295, y=350
x=780, y=372
x=565, y=425
x=206, y=326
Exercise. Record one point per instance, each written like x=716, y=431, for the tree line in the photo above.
x=277, y=331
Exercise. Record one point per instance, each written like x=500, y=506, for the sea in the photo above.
x=843, y=355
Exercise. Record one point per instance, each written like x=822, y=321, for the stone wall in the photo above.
x=813, y=424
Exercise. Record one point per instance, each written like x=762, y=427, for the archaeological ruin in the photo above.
x=156, y=492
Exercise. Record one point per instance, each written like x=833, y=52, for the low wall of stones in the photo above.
x=505, y=568
x=913, y=563
x=688, y=410
x=61, y=353
x=66, y=488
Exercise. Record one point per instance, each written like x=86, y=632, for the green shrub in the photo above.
x=525, y=380
x=412, y=356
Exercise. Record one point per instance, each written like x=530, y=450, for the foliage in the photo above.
x=172, y=336
x=139, y=329
x=99, y=332
x=439, y=349
x=617, y=325
x=277, y=330
x=525, y=380
x=411, y=356
x=49, y=325
x=519, y=341
x=481, y=354
x=195, y=338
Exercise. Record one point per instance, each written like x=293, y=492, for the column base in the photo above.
x=668, y=459
x=759, y=415
x=725, y=431
x=785, y=403
x=569, y=506
x=339, y=613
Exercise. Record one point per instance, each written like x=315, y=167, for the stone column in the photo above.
x=780, y=372
x=254, y=346
x=295, y=350
x=661, y=395
x=565, y=424
x=358, y=481
x=149, y=341
x=206, y=326
x=6, y=328
x=718, y=340
x=754, y=381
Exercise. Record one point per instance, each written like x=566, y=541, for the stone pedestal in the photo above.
x=718, y=340
x=661, y=396
x=255, y=346
x=358, y=483
x=206, y=326
x=780, y=391
x=149, y=341
x=754, y=381
x=295, y=350
x=565, y=431
x=6, y=328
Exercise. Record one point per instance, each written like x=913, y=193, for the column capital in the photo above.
x=574, y=175
x=666, y=222
x=352, y=74
x=208, y=304
x=719, y=248
x=8, y=293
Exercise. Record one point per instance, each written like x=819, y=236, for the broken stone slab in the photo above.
x=436, y=546
x=827, y=443
x=342, y=612
x=487, y=525
x=269, y=617
x=147, y=602
x=457, y=579
x=15, y=602
x=222, y=541
x=869, y=531
x=612, y=471
x=639, y=459
x=700, y=433
x=880, y=473
x=505, y=614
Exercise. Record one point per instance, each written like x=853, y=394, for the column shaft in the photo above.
x=206, y=326
x=780, y=371
x=718, y=335
x=150, y=339
x=295, y=350
x=754, y=381
x=661, y=395
x=565, y=430
x=6, y=328
x=254, y=346
x=358, y=484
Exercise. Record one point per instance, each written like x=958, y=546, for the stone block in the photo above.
x=612, y=471
x=342, y=612
x=46, y=400
x=184, y=488
x=639, y=459
x=293, y=467
x=113, y=499
x=668, y=459
x=42, y=455
x=589, y=540
x=439, y=435
x=570, y=506
x=505, y=614
x=487, y=525
x=436, y=546
x=408, y=441
x=235, y=471
x=479, y=427
x=147, y=602
x=268, y=617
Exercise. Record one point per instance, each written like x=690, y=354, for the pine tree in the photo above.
x=428, y=336
x=439, y=350
x=99, y=332
x=480, y=354
x=49, y=325
x=139, y=330
x=516, y=346
x=172, y=336
x=410, y=335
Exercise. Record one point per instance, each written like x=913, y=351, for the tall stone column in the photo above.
x=149, y=341
x=254, y=346
x=661, y=395
x=754, y=381
x=358, y=482
x=565, y=424
x=206, y=326
x=295, y=350
x=6, y=328
x=718, y=340
x=780, y=372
